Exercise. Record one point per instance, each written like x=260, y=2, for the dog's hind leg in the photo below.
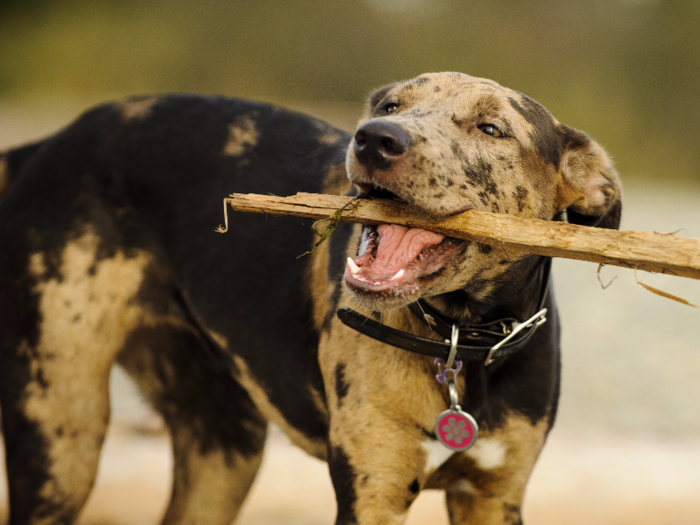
x=209, y=485
x=64, y=318
x=55, y=414
x=217, y=433
x=54, y=426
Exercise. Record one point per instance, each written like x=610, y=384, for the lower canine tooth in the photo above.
x=398, y=275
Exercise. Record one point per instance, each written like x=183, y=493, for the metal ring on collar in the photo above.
x=453, y=346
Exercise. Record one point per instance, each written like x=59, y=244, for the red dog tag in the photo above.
x=456, y=429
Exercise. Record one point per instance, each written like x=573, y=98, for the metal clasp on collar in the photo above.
x=450, y=358
x=454, y=428
x=538, y=319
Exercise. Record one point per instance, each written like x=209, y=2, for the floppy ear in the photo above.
x=591, y=193
x=376, y=97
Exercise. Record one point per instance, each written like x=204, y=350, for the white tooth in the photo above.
x=398, y=275
x=364, y=242
x=353, y=267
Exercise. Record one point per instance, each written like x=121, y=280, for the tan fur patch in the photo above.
x=218, y=338
x=37, y=265
x=330, y=138
x=86, y=315
x=379, y=405
x=87, y=294
x=137, y=109
x=589, y=182
x=463, y=485
x=242, y=135
x=208, y=487
x=318, y=286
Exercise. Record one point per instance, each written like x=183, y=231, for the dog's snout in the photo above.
x=377, y=143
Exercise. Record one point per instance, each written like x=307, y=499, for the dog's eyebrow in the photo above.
x=490, y=103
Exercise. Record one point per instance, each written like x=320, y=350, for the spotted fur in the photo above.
x=110, y=256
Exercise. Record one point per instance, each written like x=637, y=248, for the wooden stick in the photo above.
x=653, y=252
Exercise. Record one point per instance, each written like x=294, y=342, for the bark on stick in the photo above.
x=653, y=252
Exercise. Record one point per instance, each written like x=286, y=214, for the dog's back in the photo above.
x=109, y=252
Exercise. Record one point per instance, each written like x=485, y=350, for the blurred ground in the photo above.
x=626, y=447
x=606, y=480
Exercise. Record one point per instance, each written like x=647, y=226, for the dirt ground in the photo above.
x=602, y=480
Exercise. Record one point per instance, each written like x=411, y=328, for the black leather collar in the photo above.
x=479, y=342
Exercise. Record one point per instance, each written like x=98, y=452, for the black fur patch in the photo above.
x=18, y=159
x=336, y=267
x=343, y=476
x=545, y=135
x=196, y=389
x=28, y=470
x=376, y=97
x=481, y=174
x=521, y=197
x=341, y=386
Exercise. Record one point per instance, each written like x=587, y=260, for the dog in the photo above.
x=109, y=255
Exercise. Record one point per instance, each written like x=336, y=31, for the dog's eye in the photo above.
x=390, y=108
x=492, y=130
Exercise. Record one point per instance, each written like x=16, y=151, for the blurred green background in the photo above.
x=625, y=71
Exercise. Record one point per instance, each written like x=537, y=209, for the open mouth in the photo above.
x=398, y=259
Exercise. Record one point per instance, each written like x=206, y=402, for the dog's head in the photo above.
x=446, y=143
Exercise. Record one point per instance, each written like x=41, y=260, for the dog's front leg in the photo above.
x=382, y=404
x=486, y=484
x=377, y=469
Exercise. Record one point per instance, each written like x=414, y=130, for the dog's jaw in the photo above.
x=395, y=264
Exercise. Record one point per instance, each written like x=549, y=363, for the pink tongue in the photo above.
x=399, y=246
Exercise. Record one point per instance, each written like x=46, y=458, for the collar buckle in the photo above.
x=535, y=321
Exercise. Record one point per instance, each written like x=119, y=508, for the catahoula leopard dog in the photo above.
x=109, y=255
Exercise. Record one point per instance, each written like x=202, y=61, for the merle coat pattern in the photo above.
x=109, y=256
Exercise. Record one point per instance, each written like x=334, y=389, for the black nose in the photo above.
x=378, y=143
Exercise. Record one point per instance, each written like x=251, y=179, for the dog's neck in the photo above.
x=517, y=295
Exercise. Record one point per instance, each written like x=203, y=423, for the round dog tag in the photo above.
x=456, y=429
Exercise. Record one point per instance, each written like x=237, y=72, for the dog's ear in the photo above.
x=376, y=97
x=592, y=192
